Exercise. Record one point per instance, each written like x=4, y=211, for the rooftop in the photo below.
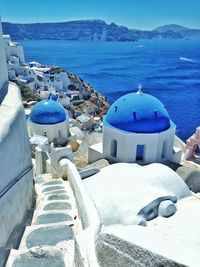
x=139, y=113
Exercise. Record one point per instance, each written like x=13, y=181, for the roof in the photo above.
x=139, y=113
x=83, y=118
x=48, y=111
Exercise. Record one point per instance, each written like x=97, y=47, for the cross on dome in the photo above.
x=139, y=92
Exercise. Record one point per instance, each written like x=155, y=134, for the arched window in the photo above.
x=197, y=150
x=114, y=148
x=164, y=149
x=140, y=153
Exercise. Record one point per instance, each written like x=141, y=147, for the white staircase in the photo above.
x=49, y=240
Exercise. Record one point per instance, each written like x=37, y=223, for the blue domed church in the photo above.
x=137, y=128
x=48, y=118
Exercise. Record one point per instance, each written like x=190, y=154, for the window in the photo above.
x=140, y=153
x=52, y=78
x=164, y=149
x=114, y=148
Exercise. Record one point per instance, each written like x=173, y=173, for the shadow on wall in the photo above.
x=3, y=91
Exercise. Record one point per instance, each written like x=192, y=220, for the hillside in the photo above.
x=171, y=27
x=94, y=30
x=90, y=30
x=91, y=103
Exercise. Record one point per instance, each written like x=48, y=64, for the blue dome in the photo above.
x=138, y=113
x=47, y=111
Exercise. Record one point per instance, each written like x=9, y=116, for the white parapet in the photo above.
x=89, y=217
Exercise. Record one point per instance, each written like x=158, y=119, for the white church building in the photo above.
x=137, y=128
x=48, y=118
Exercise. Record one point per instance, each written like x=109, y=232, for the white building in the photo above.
x=45, y=78
x=3, y=68
x=137, y=128
x=14, y=56
x=48, y=118
x=34, y=74
x=85, y=122
x=13, y=50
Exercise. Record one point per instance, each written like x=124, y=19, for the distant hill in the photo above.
x=94, y=30
x=171, y=27
x=89, y=30
x=179, y=31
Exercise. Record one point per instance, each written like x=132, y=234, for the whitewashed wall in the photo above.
x=3, y=67
x=17, y=51
x=127, y=144
x=50, y=130
x=16, y=176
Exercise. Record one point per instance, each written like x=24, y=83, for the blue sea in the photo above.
x=167, y=69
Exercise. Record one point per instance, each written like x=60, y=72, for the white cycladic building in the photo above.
x=48, y=118
x=13, y=50
x=59, y=81
x=137, y=128
x=14, y=57
x=34, y=74
x=3, y=67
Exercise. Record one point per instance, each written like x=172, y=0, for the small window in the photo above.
x=140, y=153
x=164, y=149
x=52, y=79
x=114, y=148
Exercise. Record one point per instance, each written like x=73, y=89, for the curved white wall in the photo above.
x=51, y=130
x=157, y=147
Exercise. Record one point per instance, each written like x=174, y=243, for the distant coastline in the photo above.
x=94, y=30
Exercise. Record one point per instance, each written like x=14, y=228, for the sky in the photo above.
x=135, y=14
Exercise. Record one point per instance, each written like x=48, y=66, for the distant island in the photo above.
x=94, y=30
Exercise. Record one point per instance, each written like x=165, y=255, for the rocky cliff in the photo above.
x=94, y=30
x=90, y=30
x=91, y=102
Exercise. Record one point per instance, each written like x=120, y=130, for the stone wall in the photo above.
x=16, y=177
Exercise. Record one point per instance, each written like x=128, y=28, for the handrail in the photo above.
x=14, y=181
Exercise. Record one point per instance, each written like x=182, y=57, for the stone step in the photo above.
x=49, y=241
x=59, y=256
x=53, y=205
x=43, y=189
x=46, y=234
x=53, y=195
x=46, y=217
x=58, y=196
x=43, y=178
x=56, y=192
x=54, y=182
x=54, y=187
x=51, y=188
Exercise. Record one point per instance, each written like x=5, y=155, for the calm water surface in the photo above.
x=167, y=69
